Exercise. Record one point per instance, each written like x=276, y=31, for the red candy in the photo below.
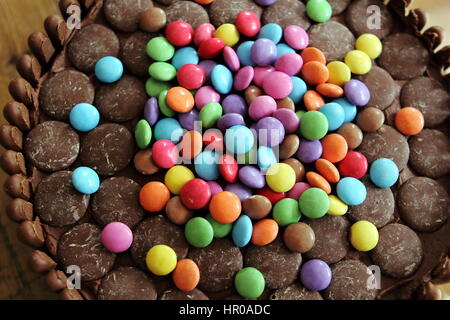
x=165, y=154
x=195, y=194
x=353, y=165
x=228, y=168
x=191, y=76
x=213, y=139
x=179, y=33
x=211, y=48
x=273, y=196
x=248, y=23
x=203, y=32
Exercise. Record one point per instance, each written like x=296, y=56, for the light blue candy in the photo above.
x=168, y=129
x=384, y=173
x=85, y=180
x=222, y=79
x=244, y=53
x=242, y=231
x=206, y=165
x=239, y=139
x=299, y=89
x=335, y=115
x=282, y=49
x=266, y=157
x=84, y=117
x=351, y=191
x=350, y=109
x=186, y=55
x=109, y=69
x=271, y=31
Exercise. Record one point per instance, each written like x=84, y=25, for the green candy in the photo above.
x=299, y=115
x=154, y=87
x=286, y=212
x=143, y=134
x=220, y=230
x=210, y=114
x=162, y=71
x=163, y=107
x=160, y=49
x=314, y=125
x=318, y=10
x=314, y=203
x=249, y=157
x=199, y=232
x=249, y=283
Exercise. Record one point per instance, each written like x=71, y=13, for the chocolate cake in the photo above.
x=65, y=226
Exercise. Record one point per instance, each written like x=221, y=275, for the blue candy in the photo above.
x=351, y=191
x=85, y=180
x=206, y=165
x=384, y=173
x=350, y=109
x=186, y=55
x=239, y=139
x=109, y=69
x=282, y=49
x=266, y=157
x=244, y=53
x=84, y=117
x=222, y=79
x=335, y=115
x=242, y=231
x=271, y=31
x=168, y=129
x=299, y=89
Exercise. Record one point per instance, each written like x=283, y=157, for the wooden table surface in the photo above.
x=19, y=18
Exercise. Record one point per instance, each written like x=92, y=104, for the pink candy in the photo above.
x=288, y=118
x=206, y=95
x=278, y=85
x=243, y=78
x=261, y=107
x=203, y=32
x=296, y=37
x=289, y=63
x=117, y=237
x=231, y=59
x=261, y=73
x=298, y=190
x=215, y=188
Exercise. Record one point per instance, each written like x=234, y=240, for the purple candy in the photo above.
x=252, y=177
x=297, y=190
x=309, y=151
x=206, y=95
x=188, y=119
x=229, y=120
x=288, y=118
x=234, y=104
x=261, y=107
x=243, y=192
x=243, y=78
x=357, y=93
x=264, y=52
x=208, y=66
x=270, y=132
x=231, y=59
x=289, y=63
x=265, y=2
x=315, y=275
x=215, y=188
x=151, y=111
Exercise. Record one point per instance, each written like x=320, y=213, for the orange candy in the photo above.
x=315, y=73
x=154, y=196
x=313, y=101
x=335, y=147
x=186, y=275
x=264, y=232
x=180, y=99
x=317, y=181
x=330, y=90
x=225, y=207
x=328, y=170
x=409, y=121
x=191, y=145
x=204, y=1
x=313, y=54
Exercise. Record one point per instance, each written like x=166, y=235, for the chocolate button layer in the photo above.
x=124, y=15
x=381, y=86
x=225, y=11
x=286, y=13
x=175, y=294
x=134, y=54
x=295, y=292
x=188, y=11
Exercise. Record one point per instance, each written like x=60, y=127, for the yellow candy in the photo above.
x=228, y=33
x=161, y=260
x=364, y=236
x=280, y=177
x=358, y=62
x=337, y=207
x=177, y=177
x=370, y=44
x=340, y=73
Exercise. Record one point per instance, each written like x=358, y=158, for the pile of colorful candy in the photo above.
x=276, y=115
